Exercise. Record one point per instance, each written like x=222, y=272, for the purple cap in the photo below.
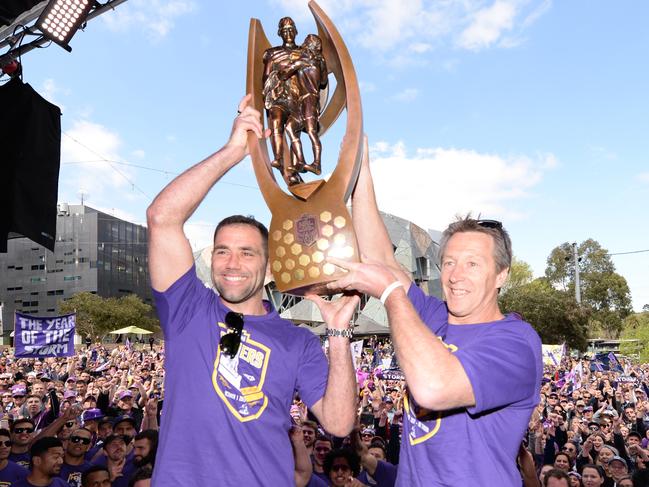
x=124, y=394
x=92, y=414
x=18, y=390
x=68, y=394
x=121, y=419
x=72, y=378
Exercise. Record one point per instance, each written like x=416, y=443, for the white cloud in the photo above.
x=401, y=30
x=419, y=47
x=155, y=17
x=487, y=25
x=435, y=184
x=50, y=92
x=200, y=233
x=366, y=86
x=407, y=95
x=644, y=177
x=138, y=154
x=91, y=146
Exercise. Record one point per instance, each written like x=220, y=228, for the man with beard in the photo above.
x=47, y=458
x=74, y=463
x=22, y=434
x=10, y=472
x=245, y=361
x=146, y=447
x=115, y=460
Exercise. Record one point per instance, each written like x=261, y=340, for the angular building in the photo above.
x=94, y=252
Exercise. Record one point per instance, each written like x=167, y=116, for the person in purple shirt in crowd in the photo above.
x=342, y=466
x=10, y=472
x=96, y=476
x=22, y=435
x=232, y=364
x=473, y=374
x=376, y=470
x=121, y=468
x=74, y=463
x=47, y=458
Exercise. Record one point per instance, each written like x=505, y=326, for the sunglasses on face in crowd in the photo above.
x=231, y=341
x=80, y=439
x=344, y=468
x=23, y=430
x=6, y=443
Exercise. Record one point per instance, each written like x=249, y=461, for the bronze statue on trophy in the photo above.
x=292, y=81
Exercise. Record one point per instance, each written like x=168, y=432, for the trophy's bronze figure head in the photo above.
x=293, y=78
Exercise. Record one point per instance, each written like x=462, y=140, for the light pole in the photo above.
x=576, y=259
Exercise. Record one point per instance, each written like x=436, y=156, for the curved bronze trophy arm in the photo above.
x=312, y=223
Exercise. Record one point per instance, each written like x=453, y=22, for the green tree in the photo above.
x=636, y=327
x=603, y=291
x=520, y=273
x=97, y=316
x=552, y=312
x=93, y=318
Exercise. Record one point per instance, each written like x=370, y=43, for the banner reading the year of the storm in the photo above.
x=44, y=337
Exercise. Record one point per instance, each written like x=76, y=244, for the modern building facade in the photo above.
x=94, y=252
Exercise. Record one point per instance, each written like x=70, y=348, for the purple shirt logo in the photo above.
x=239, y=381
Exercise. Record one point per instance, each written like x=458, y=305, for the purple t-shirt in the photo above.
x=56, y=482
x=385, y=475
x=226, y=421
x=12, y=473
x=72, y=473
x=22, y=459
x=476, y=445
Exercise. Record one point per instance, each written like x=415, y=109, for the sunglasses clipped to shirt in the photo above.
x=231, y=341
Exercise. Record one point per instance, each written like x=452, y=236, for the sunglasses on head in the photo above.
x=80, y=439
x=495, y=224
x=6, y=443
x=23, y=430
x=230, y=342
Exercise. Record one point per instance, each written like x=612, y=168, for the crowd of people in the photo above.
x=89, y=420
x=92, y=420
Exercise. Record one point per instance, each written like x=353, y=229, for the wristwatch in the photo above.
x=346, y=333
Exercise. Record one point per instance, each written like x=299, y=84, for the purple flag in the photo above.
x=36, y=337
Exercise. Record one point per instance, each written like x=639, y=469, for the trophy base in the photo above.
x=302, y=239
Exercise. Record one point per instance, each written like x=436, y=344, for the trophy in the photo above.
x=290, y=84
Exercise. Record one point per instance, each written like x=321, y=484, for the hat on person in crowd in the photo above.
x=46, y=377
x=72, y=378
x=574, y=474
x=553, y=395
x=18, y=390
x=618, y=458
x=93, y=414
x=69, y=394
x=124, y=394
x=588, y=408
x=110, y=438
x=368, y=431
x=388, y=399
x=121, y=419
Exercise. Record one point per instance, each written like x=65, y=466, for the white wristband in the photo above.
x=389, y=289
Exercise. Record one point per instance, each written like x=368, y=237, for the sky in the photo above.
x=533, y=112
